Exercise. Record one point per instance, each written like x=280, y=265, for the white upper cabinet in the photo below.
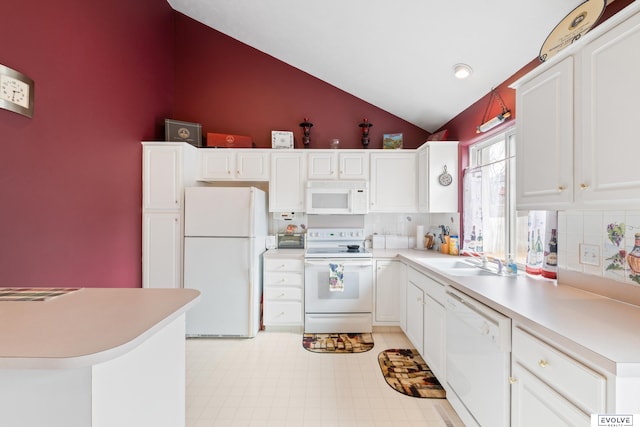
x=229, y=164
x=166, y=168
x=607, y=146
x=287, y=183
x=576, y=123
x=393, y=183
x=333, y=164
x=353, y=165
x=436, y=193
x=544, y=139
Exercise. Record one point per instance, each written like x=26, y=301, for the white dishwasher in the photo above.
x=478, y=342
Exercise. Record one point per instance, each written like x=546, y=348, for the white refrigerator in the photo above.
x=225, y=230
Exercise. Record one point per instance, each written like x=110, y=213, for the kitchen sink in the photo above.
x=471, y=272
x=459, y=267
x=446, y=264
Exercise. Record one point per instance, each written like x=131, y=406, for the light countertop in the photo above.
x=598, y=328
x=85, y=327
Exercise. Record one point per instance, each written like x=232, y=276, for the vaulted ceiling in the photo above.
x=397, y=55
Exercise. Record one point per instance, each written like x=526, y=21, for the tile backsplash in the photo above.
x=600, y=243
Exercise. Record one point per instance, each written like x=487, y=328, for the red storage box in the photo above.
x=228, y=141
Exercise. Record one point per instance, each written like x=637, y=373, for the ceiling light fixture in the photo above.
x=462, y=71
x=494, y=121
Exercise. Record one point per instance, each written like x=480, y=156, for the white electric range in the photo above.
x=338, y=281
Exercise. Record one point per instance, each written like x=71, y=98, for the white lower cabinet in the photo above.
x=415, y=317
x=283, y=291
x=425, y=319
x=434, y=336
x=551, y=388
x=162, y=250
x=535, y=404
x=389, y=276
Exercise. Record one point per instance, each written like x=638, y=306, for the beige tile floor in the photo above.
x=270, y=380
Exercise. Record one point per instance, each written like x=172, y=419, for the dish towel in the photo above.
x=336, y=277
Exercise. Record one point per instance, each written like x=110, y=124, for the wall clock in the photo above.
x=16, y=91
x=445, y=177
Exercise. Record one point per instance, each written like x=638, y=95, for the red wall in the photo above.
x=230, y=87
x=70, y=177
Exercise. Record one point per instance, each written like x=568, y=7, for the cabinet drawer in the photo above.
x=287, y=279
x=276, y=313
x=435, y=290
x=274, y=264
x=580, y=384
x=279, y=293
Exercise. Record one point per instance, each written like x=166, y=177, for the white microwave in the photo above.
x=337, y=197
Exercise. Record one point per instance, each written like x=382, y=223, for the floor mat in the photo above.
x=406, y=372
x=337, y=343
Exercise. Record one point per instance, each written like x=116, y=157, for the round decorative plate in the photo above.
x=572, y=27
x=445, y=177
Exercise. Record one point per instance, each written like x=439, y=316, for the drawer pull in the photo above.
x=584, y=186
x=513, y=380
x=543, y=363
x=281, y=295
x=561, y=188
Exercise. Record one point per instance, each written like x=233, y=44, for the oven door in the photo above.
x=348, y=309
x=355, y=295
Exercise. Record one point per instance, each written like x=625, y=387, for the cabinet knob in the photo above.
x=282, y=295
x=561, y=188
x=513, y=380
x=543, y=363
x=584, y=186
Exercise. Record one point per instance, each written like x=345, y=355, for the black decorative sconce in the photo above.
x=365, y=125
x=306, y=130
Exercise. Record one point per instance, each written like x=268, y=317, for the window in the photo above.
x=490, y=221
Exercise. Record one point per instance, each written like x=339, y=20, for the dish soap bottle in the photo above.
x=512, y=267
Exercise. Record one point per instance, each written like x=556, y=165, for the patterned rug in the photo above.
x=406, y=372
x=337, y=343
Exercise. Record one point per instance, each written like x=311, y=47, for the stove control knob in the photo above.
x=342, y=234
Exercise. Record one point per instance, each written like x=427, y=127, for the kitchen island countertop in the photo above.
x=85, y=327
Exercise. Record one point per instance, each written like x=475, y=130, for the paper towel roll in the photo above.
x=420, y=237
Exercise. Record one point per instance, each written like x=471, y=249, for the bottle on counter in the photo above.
x=550, y=266
x=472, y=242
x=479, y=243
x=532, y=266
x=453, y=245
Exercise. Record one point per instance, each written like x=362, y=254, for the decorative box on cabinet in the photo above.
x=167, y=167
x=393, y=186
x=283, y=291
x=433, y=158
